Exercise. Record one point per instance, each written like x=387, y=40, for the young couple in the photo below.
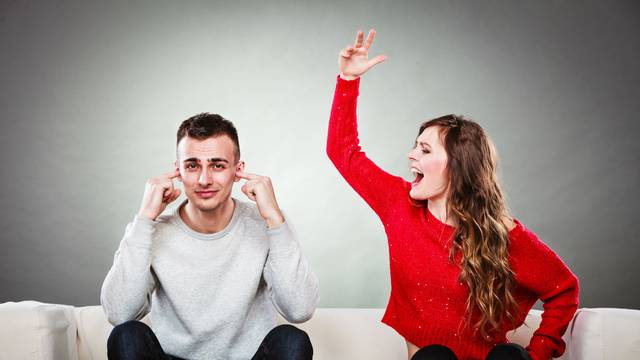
x=214, y=272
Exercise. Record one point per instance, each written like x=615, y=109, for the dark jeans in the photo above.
x=499, y=352
x=135, y=340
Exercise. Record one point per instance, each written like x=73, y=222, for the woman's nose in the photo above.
x=412, y=154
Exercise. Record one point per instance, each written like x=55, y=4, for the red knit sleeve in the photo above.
x=377, y=187
x=541, y=271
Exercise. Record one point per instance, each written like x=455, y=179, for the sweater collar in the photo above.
x=204, y=236
x=448, y=229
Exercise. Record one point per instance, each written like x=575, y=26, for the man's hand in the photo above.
x=259, y=189
x=354, y=59
x=158, y=193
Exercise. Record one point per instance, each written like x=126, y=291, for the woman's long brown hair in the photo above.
x=476, y=202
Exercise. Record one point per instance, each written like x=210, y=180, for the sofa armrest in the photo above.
x=605, y=333
x=33, y=330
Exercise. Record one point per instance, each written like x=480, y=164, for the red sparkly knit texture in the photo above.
x=427, y=301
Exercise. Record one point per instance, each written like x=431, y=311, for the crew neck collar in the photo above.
x=205, y=236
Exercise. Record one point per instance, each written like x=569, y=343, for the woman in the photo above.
x=463, y=271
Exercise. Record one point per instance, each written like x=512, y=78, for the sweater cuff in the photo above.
x=282, y=239
x=140, y=232
x=539, y=350
x=348, y=87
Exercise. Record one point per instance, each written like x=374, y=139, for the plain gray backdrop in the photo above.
x=92, y=94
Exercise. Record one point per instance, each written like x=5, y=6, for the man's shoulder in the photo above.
x=165, y=221
x=248, y=211
x=250, y=215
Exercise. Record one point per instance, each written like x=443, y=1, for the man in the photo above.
x=214, y=272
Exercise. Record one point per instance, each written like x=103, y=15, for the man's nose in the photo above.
x=206, y=177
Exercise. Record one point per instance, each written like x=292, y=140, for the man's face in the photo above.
x=207, y=170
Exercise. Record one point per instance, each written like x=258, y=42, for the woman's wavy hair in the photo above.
x=481, y=236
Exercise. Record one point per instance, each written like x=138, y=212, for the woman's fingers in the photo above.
x=354, y=60
x=359, y=38
x=370, y=36
x=375, y=61
x=347, y=52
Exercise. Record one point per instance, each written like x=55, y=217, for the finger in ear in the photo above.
x=176, y=193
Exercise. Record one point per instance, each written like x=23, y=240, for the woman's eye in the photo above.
x=424, y=151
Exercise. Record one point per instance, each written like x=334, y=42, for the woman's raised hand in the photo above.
x=354, y=59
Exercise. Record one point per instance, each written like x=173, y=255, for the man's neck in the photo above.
x=207, y=222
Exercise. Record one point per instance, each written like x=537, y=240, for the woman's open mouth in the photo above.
x=418, y=176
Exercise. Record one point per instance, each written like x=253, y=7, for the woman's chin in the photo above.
x=414, y=194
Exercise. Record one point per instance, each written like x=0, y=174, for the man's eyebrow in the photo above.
x=212, y=160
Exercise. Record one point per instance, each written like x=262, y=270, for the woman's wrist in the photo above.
x=348, y=77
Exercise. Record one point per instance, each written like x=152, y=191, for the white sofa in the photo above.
x=35, y=331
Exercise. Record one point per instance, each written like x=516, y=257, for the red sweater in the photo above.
x=427, y=301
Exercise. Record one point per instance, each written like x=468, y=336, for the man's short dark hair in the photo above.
x=205, y=125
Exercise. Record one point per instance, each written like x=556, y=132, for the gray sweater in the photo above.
x=211, y=296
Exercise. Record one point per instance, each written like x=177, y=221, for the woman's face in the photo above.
x=428, y=162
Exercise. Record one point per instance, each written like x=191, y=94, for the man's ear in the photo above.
x=176, y=167
x=239, y=167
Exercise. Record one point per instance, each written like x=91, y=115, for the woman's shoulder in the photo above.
x=510, y=223
x=520, y=235
x=526, y=246
x=537, y=267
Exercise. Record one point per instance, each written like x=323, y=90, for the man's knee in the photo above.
x=127, y=331
x=295, y=340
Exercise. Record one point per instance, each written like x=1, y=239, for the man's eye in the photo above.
x=218, y=166
x=191, y=166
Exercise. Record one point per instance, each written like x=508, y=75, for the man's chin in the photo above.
x=207, y=204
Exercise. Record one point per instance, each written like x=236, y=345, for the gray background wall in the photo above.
x=92, y=94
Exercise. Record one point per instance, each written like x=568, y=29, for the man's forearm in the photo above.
x=129, y=281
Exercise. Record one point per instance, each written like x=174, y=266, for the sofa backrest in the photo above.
x=336, y=334
x=37, y=331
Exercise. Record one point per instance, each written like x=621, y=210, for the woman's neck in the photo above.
x=438, y=208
